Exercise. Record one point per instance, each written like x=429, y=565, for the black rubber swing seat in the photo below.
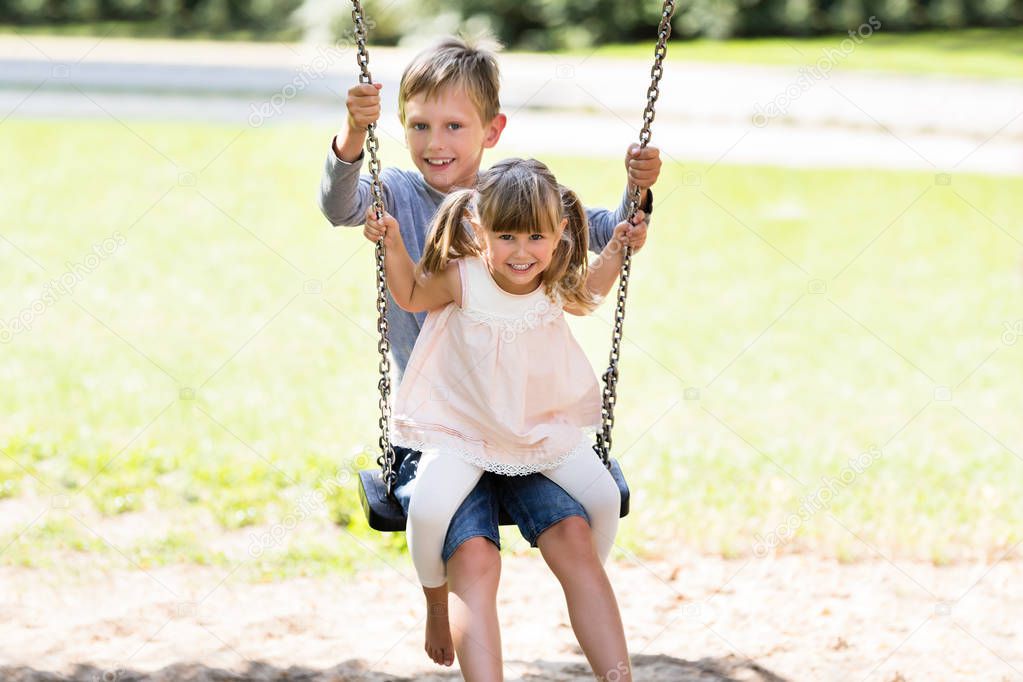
x=385, y=514
x=383, y=511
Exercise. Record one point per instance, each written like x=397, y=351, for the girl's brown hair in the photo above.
x=516, y=196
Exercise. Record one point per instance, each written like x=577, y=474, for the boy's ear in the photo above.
x=493, y=130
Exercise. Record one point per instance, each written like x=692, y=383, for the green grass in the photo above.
x=977, y=52
x=189, y=395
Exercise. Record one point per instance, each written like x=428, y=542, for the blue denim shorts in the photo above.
x=534, y=502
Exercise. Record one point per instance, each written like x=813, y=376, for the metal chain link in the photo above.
x=610, y=376
x=386, y=458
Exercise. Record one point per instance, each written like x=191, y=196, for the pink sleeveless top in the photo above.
x=500, y=381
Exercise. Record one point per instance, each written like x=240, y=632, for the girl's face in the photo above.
x=516, y=260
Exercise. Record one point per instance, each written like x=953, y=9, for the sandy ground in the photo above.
x=686, y=617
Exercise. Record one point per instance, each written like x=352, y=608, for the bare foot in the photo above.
x=439, y=646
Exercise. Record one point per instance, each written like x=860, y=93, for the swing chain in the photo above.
x=386, y=458
x=610, y=376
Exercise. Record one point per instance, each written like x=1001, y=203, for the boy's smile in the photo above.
x=446, y=137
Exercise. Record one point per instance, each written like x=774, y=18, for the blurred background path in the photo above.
x=789, y=116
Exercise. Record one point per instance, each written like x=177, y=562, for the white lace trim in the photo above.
x=541, y=313
x=503, y=468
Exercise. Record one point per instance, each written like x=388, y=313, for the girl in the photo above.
x=496, y=380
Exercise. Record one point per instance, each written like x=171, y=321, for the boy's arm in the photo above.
x=602, y=221
x=344, y=196
x=348, y=144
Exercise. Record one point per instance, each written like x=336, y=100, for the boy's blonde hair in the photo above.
x=467, y=64
x=516, y=196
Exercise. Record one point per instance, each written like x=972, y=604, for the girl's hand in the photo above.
x=643, y=165
x=386, y=229
x=633, y=234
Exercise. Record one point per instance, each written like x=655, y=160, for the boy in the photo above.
x=449, y=106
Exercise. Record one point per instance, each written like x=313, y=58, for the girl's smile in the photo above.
x=516, y=260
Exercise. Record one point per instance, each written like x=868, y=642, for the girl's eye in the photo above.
x=454, y=126
x=418, y=126
x=506, y=237
x=536, y=236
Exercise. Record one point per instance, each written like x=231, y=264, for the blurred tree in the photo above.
x=523, y=24
x=325, y=21
x=130, y=9
x=997, y=12
x=844, y=14
x=897, y=14
x=82, y=10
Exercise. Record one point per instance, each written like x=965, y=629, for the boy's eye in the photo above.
x=418, y=126
x=454, y=126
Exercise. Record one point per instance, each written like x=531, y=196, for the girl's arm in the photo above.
x=412, y=294
x=604, y=269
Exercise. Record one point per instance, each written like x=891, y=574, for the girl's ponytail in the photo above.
x=574, y=249
x=449, y=237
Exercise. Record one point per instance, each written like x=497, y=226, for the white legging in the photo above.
x=444, y=480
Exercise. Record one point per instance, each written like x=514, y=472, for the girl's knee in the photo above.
x=571, y=532
x=568, y=548
x=475, y=557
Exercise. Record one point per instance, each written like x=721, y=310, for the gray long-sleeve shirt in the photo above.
x=345, y=196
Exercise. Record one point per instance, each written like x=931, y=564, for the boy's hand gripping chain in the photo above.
x=386, y=458
x=603, y=446
x=610, y=376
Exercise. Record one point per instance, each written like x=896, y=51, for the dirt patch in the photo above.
x=690, y=618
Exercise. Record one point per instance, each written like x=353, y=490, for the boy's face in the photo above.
x=446, y=137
